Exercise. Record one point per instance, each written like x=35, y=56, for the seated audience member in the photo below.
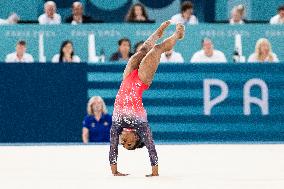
x=279, y=18
x=237, y=15
x=97, y=124
x=20, y=55
x=171, y=57
x=12, y=19
x=138, y=46
x=208, y=54
x=186, y=14
x=123, y=53
x=50, y=16
x=263, y=52
x=67, y=54
x=78, y=16
x=137, y=13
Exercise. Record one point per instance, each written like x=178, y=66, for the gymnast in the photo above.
x=129, y=121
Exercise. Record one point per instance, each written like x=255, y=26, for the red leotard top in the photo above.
x=128, y=100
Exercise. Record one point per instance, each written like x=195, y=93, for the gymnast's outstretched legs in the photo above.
x=150, y=62
x=136, y=59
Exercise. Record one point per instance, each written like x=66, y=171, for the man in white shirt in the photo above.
x=279, y=18
x=208, y=54
x=20, y=55
x=50, y=16
x=237, y=15
x=186, y=16
x=171, y=57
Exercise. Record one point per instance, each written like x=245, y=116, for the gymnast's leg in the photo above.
x=136, y=59
x=150, y=62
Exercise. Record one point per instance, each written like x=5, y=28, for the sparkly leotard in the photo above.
x=130, y=113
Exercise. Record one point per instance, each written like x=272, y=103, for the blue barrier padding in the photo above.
x=47, y=102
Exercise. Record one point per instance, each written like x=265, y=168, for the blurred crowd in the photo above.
x=138, y=13
x=207, y=53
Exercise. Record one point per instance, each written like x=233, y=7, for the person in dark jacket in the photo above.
x=123, y=53
x=78, y=16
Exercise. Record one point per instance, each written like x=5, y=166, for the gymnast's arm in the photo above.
x=113, y=152
x=146, y=135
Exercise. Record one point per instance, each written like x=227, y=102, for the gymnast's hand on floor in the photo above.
x=115, y=172
x=152, y=175
x=155, y=172
x=119, y=174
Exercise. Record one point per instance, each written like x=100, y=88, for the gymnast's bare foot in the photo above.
x=162, y=28
x=180, y=31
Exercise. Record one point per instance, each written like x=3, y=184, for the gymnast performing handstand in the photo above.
x=129, y=122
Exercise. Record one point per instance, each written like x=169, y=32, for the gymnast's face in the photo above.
x=128, y=139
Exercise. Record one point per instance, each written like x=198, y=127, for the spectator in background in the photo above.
x=20, y=55
x=171, y=57
x=12, y=19
x=78, y=16
x=67, y=54
x=263, y=52
x=279, y=18
x=97, y=124
x=208, y=54
x=137, y=13
x=237, y=15
x=50, y=16
x=186, y=14
x=123, y=53
x=138, y=46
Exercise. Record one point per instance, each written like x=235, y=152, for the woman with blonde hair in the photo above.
x=97, y=124
x=263, y=52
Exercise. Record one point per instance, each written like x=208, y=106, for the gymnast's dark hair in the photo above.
x=64, y=43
